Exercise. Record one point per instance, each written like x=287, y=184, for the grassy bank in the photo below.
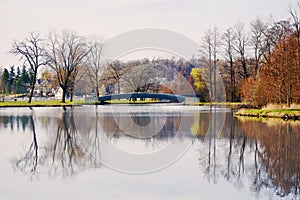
x=223, y=104
x=45, y=103
x=57, y=103
x=270, y=113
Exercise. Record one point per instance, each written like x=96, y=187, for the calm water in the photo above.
x=146, y=152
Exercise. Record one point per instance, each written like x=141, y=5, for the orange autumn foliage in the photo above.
x=279, y=80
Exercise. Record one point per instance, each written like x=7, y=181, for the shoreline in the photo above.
x=48, y=103
x=285, y=114
x=242, y=108
x=57, y=103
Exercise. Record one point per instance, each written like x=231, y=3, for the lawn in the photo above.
x=57, y=103
x=40, y=103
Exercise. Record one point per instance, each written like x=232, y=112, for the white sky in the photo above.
x=107, y=18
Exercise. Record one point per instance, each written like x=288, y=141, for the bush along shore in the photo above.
x=286, y=114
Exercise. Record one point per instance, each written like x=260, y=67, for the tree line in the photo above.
x=15, y=81
x=259, y=65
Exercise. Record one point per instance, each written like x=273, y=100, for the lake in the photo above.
x=161, y=151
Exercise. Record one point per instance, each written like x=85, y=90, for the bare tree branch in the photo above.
x=66, y=52
x=95, y=65
x=30, y=50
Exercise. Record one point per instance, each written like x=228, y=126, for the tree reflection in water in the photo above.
x=22, y=120
x=28, y=164
x=66, y=152
x=266, y=152
x=278, y=152
x=74, y=149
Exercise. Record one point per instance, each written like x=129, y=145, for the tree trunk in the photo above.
x=63, y=99
x=215, y=81
x=31, y=94
x=97, y=91
x=256, y=67
x=244, y=65
x=71, y=95
x=289, y=96
x=32, y=87
x=118, y=86
x=232, y=81
x=64, y=87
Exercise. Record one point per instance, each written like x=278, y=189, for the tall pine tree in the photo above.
x=12, y=79
x=5, y=80
x=22, y=81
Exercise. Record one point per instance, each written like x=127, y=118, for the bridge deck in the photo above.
x=144, y=95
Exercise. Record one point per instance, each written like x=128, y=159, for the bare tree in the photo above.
x=140, y=78
x=240, y=44
x=82, y=84
x=216, y=45
x=74, y=80
x=206, y=48
x=228, y=38
x=257, y=40
x=32, y=53
x=95, y=65
x=272, y=35
x=209, y=47
x=116, y=70
x=66, y=52
x=296, y=24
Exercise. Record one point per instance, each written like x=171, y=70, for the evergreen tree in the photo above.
x=5, y=80
x=18, y=75
x=12, y=79
x=22, y=80
x=19, y=86
x=25, y=75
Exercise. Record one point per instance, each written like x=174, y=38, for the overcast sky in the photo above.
x=107, y=18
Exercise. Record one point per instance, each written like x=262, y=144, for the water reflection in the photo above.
x=163, y=127
x=70, y=150
x=228, y=154
x=65, y=152
x=9, y=121
x=277, y=161
x=28, y=163
x=266, y=153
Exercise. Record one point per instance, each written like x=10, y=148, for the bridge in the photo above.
x=143, y=95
